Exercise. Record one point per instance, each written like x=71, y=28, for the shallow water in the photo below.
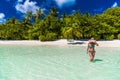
x=58, y=63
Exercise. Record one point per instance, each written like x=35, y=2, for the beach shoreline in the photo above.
x=61, y=42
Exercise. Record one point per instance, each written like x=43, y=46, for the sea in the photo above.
x=40, y=62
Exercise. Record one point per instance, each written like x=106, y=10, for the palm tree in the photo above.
x=39, y=14
x=54, y=12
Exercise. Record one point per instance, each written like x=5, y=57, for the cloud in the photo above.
x=20, y=0
x=115, y=4
x=65, y=3
x=26, y=6
x=2, y=16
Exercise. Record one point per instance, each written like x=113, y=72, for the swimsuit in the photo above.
x=91, y=47
x=93, y=52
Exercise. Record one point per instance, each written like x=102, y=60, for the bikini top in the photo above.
x=91, y=46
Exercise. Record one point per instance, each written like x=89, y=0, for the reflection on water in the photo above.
x=58, y=63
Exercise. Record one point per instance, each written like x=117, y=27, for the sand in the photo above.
x=61, y=42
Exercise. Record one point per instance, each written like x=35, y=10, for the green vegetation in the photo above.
x=49, y=26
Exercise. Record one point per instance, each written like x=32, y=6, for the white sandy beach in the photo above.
x=62, y=42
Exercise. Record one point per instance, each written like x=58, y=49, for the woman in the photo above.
x=91, y=50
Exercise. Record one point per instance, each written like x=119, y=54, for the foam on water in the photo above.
x=58, y=63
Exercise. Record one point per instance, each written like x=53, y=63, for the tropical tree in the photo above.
x=39, y=15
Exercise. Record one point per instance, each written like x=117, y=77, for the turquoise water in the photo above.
x=58, y=63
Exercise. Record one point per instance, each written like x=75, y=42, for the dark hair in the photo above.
x=91, y=36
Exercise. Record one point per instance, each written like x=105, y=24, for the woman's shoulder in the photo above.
x=94, y=41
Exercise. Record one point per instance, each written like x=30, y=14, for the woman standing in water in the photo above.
x=91, y=48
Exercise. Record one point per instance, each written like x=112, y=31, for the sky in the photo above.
x=18, y=8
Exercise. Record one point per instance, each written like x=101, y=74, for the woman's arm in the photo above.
x=96, y=44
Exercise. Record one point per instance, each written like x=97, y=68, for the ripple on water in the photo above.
x=58, y=63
